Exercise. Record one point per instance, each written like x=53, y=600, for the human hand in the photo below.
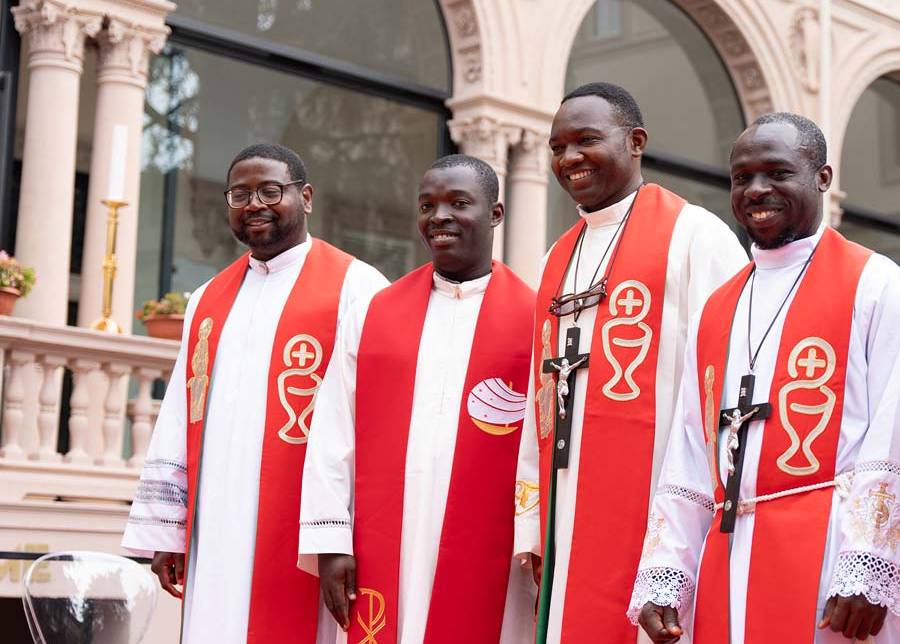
x=169, y=568
x=856, y=617
x=337, y=577
x=660, y=623
x=537, y=567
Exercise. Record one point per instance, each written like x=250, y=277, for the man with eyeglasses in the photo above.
x=407, y=506
x=615, y=296
x=217, y=505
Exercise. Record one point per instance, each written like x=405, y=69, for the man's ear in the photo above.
x=307, y=193
x=638, y=141
x=497, y=214
x=824, y=177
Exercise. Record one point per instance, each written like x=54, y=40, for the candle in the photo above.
x=116, y=186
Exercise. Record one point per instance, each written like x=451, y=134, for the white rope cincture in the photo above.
x=842, y=483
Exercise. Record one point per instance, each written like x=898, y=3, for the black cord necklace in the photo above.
x=753, y=355
x=613, y=244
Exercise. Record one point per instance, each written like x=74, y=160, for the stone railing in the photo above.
x=102, y=422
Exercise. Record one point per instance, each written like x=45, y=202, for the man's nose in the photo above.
x=571, y=156
x=442, y=213
x=254, y=202
x=758, y=187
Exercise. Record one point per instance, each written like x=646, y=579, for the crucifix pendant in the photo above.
x=566, y=369
x=735, y=420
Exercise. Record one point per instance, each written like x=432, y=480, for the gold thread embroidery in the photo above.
x=632, y=288
x=870, y=518
x=546, y=394
x=495, y=407
x=376, y=619
x=655, y=527
x=712, y=417
x=198, y=383
x=809, y=362
x=302, y=355
x=527, y=496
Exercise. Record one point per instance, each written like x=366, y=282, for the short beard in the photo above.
x=785, y=238
x=280, y=231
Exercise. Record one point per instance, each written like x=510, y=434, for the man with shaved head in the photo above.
x=776, y=517
x=616, y=293
x=407, y=511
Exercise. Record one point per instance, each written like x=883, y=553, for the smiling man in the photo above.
x=257, y=339
x=407, y=496
x=776, y=517
x=616, y=293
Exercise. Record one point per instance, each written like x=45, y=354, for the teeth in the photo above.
x=442, y=237
x=762, y=216
x=580, y=175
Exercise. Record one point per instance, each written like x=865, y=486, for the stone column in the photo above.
x=484, y=138
x=526, y=212
x=121, y=78
x=55, y=31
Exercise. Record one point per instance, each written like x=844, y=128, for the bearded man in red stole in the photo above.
x=776, y=518
x=407, y=498
x=218, y=501
x=616, y=292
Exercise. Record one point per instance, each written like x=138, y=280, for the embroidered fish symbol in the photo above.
x=495, y=407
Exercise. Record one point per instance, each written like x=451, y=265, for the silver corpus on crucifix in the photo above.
x=562, y=384
x=734, y=426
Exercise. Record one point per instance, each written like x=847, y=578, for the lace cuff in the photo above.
x=663, y=587
x=862, y=573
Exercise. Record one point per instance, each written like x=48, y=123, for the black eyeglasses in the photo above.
x=269, y=194
x=577, y=302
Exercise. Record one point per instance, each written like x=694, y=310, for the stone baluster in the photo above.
x=78, y=418
x=48, y=413
x=113, y=430
x=142, y=423
x=13, y=398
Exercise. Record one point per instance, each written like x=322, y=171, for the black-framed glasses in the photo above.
x=577, y=302
x=269, y=194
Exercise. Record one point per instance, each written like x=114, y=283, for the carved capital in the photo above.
x=531, y=157
x=485, y=138
x=125, y=52
x=836, y=214
x=56, y=30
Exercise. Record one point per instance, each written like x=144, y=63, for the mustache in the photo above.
x=257, y=215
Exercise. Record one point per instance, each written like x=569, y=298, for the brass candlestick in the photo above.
x=106, y=323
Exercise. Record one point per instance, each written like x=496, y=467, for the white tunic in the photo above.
x=326, y=513
x=703, y=254
x=217, y=597
x=870, y=425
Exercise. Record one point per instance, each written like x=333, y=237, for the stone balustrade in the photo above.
x=108, y=433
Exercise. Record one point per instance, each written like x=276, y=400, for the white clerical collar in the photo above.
x=460, y=290
x=608, y=216
x=790, y=254
x=283, y=260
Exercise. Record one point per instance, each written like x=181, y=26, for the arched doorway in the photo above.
x=357, y=88
x=691, y=108
x=870, y=169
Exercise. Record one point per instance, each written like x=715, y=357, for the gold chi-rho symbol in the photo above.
x=376, y=619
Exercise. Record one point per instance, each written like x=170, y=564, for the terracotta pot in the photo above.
x=8, y=297
x=167, y=327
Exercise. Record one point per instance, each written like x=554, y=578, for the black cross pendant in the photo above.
x=740, y=416
x=566, y=369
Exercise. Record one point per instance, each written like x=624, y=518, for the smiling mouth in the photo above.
x=257, y=222
x=764, y=215
x=581, y=174
x=442, y=236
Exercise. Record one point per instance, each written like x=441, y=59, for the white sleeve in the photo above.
x=868, y=562
x=361, y=284
x=683, y=507
x=156, y=522
x=326, y=505
x=714, y=255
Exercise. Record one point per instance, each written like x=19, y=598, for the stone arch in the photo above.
x=733, y=33
x=464, y=32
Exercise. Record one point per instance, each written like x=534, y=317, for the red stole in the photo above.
x=799, y=448
x=284, y=600
x=476, y=543
x=619, y=418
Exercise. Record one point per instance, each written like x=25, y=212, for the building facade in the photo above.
x=369, y=92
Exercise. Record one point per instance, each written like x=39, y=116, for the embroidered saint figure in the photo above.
x=547, y=390
x=198, y=383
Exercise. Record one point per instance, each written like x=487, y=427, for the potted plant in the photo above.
x=164, y=318
x=15, y=282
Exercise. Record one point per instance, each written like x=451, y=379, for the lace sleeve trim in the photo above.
x=891, y=467
x=862, y=573
x=663, y=587
x=704, y=501
x=326, y=523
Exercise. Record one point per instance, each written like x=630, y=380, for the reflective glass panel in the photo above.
x=656, y=52
x=403, y=38
x=870, y=166
x=364, y=156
